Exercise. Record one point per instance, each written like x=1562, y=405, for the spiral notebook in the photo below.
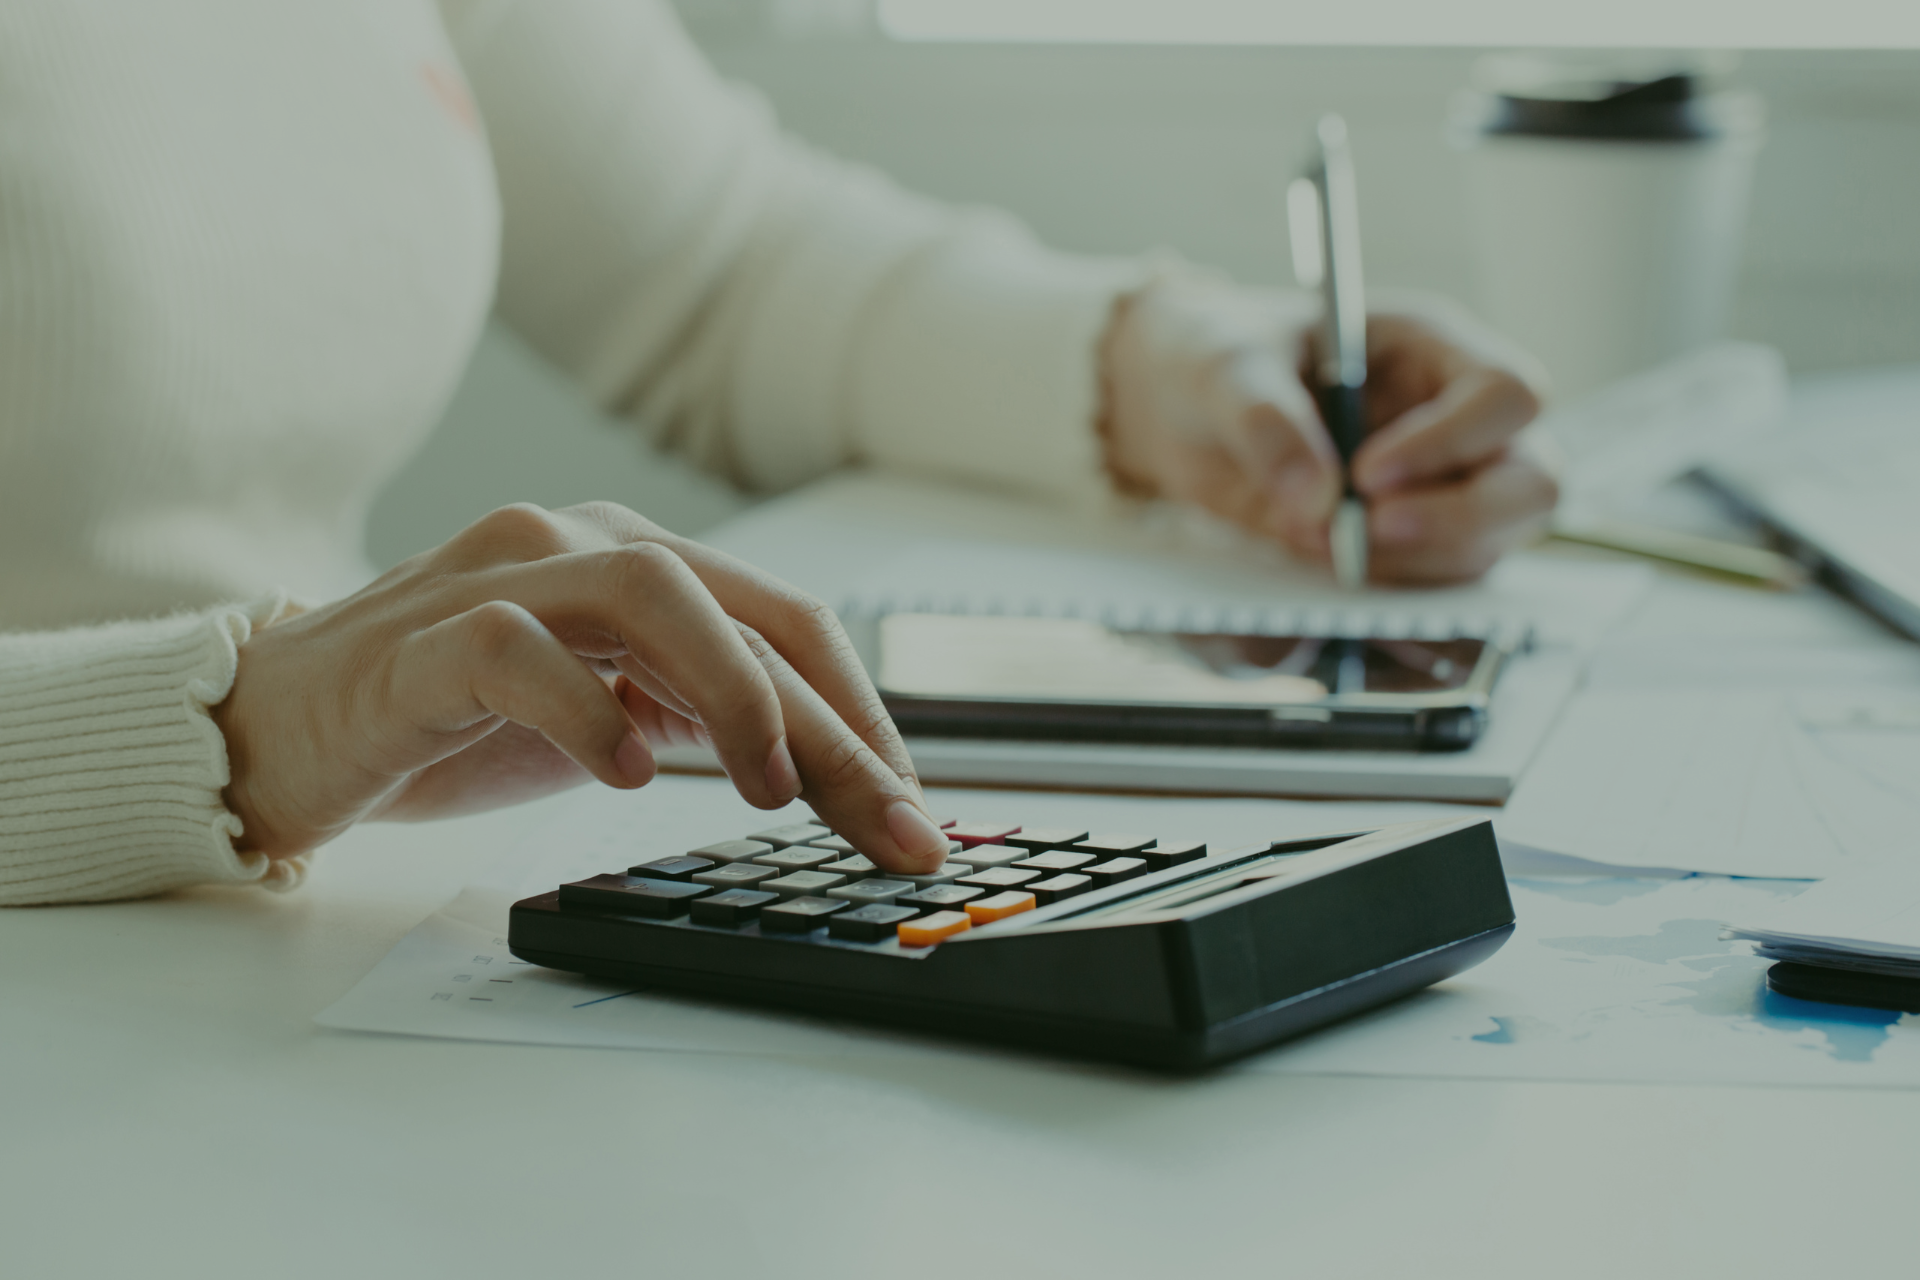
x=872, y=542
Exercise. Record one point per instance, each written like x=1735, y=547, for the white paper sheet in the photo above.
x=1736, y=781
x=1607, y=978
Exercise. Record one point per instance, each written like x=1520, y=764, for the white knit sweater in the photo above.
x=246, y=247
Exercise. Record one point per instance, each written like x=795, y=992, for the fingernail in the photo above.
x=1396, y=525
x=915, y=833
x=634, y=761
x=783, y=780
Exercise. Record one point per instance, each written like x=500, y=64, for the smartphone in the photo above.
x=1072, y=679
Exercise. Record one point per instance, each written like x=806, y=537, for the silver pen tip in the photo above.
x=1349, y=543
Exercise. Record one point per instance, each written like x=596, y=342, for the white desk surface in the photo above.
x=167, y=1108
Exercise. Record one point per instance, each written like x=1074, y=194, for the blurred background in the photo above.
x=1122, y=148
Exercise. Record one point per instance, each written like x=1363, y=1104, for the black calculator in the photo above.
x=1144, y=949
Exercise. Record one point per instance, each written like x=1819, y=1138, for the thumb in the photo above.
x=1279, y=439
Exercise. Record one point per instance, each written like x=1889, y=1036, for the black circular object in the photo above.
x=1844, y=986
x=1664, y=110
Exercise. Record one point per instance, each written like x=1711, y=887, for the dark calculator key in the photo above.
x=838, y=844
x=875, y=922
x=731, y=909
x=799, y=915
x=1058, y=860
x=680, y=868
x=1113, y=843
x=736, y=875
x=799, y=857
x=1114, y=870
x=793, y=833
x=854, y=868
x=982, y=856
x=861, y=892
x=632, y=895
x=799, y=884
x=973, y=833
x=1058, y=887
x=1040, y=839
x=939, y=897
x=997, y=878
x=1171, y=853
x=731, y=850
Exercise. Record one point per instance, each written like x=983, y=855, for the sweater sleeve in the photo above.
x=110, y=766
x=769, y=310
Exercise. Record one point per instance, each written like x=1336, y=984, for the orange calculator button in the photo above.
x=1000, y=906
x=937, y=927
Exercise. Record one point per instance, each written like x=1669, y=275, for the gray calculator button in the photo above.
x=800, y=884
x=732, y=850
x=836, y=843
x=738, y=875
x=854, y=868
x=947, y=874
x=1057, y=860
x=797, y=857
x=998, y=878
x=982, y=856
x=792, y=833
x=873, y=923
x=799, y=915
x=871, y=890
x=939, y=897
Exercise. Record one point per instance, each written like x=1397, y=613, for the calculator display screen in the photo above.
x=1069, y=659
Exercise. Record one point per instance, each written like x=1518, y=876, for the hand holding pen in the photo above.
x=1211, y=397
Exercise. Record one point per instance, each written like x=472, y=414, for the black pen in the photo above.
x=1324, y=220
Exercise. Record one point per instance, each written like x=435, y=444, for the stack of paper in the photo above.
x=1868, y=922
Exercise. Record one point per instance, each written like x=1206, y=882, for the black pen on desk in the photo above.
x=1324, y=229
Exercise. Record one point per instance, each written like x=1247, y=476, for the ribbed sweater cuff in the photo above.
x=111, y=768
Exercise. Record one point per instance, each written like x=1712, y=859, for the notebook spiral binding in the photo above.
x=1219, y=619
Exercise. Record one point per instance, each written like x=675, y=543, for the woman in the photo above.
x=248, y=246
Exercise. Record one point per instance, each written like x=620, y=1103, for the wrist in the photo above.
x=1112, y=419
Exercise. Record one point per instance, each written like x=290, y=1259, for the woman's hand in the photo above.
x=1206, y=401
x=537, y=648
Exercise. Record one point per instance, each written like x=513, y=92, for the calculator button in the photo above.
x=1040, y=839
x=731, y=850
x=875, y=922
x=798, y=915
x=797, y=857
x=1058, y=887
x=854, y=868
x=1171, y=853
x=945, y=875
x=982, y=856
x=632, y=895
x=1112, y=843
x=838, y=844
x=731, y=909
x=736, y=875
x=939, y=897
x=861, y=892
x=1113, y=871
x=799, y=884
x=999, y=907
x=794, y=833
x=999, y=878
x=973, y=833
x=1058, y=860
x=937, y=927
x=680, y=868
